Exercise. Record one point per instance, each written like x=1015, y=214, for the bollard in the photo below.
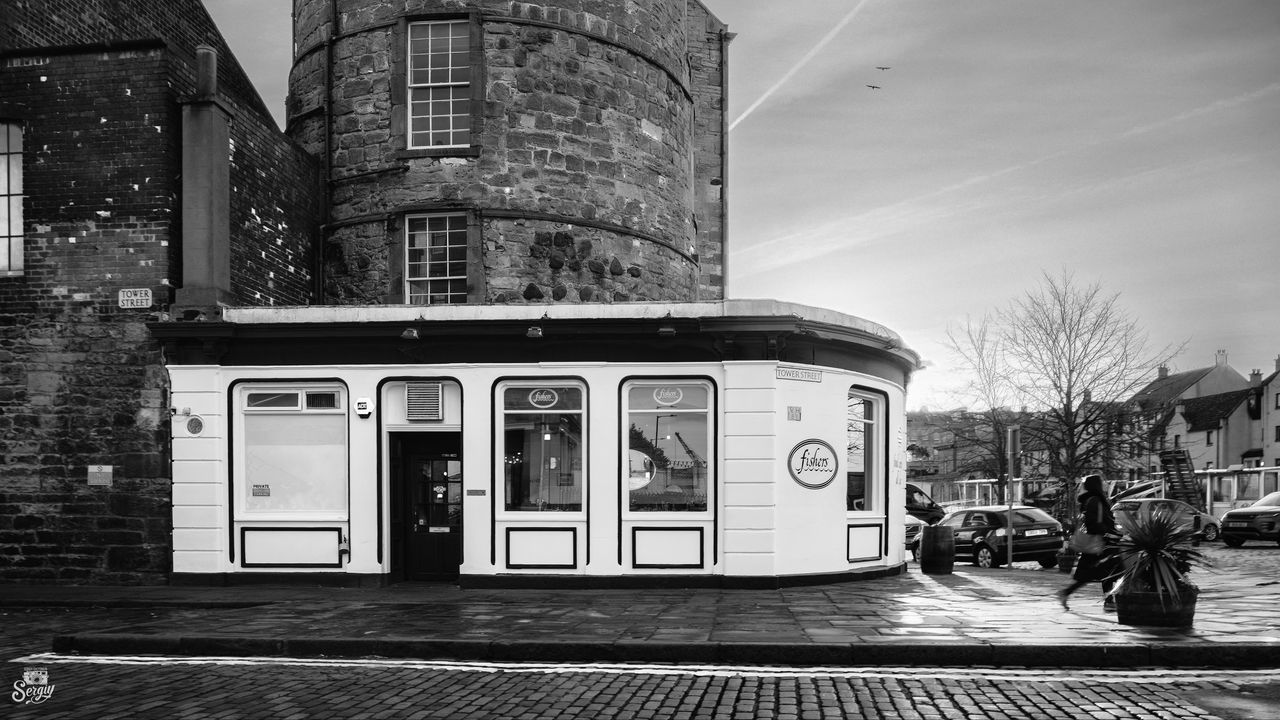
x=937, y=550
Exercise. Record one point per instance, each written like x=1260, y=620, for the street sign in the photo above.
x=134, y=298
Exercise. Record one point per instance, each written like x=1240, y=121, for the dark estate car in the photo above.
x=981, y=533
x=1128, y=509
x=1259, y=521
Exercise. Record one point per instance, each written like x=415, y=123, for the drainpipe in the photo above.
x=327, y=196
x=725, y=39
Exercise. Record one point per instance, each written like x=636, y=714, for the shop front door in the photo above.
x=430, y=516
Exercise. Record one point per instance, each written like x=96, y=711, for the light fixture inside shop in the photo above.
x=410, y=334
x=534, y=332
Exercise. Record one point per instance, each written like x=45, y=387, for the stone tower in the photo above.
x=491, y=152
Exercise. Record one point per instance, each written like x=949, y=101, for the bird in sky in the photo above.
x=881, y=67
x=874, y=87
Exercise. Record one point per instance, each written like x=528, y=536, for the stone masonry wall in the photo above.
x=586, y=134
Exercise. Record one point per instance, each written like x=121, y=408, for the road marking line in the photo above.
x=1153, y=676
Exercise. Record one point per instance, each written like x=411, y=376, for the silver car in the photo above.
x=1130, y=508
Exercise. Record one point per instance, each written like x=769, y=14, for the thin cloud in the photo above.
x=887, y=220
x=813, y=52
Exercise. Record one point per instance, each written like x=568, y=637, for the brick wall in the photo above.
x=98, y=87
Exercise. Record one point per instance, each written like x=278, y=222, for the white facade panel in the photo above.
x=750, y=495
x=542, y=548
x=191, y=494
x=753, y=447
x=750, y=518
x=285, y=547
x=196, y=517
x=197, y=539
x=194, y=561
x=669, y=547
x=749, y=541
x=749, y=423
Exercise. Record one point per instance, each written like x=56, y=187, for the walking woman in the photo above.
x=1094, y=564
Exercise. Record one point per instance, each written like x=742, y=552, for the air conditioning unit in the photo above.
x=424, y=400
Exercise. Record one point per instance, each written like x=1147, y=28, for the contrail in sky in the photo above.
x=826, y=39
x=834, y=236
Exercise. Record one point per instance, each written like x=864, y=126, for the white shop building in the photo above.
x=736, y=443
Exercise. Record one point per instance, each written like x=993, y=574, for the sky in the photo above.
x=1132, y=144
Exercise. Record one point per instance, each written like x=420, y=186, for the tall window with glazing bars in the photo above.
x=440, y=84
x=436, y=262
x=10, y=198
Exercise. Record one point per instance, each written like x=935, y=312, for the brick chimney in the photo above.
x=1163, y=371
x=206, y=188
x=1255, y=378
x=1220, y=359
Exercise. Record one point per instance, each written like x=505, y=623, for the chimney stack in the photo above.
x=1255, y=378
x=1220, y=359
x=1163, y=372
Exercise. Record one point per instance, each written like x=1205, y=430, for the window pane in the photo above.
x=860, y=453
x=295, y=463
x=543, y=461
x=436, y=247
x=272, y=400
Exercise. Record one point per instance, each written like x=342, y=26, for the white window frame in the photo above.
x=873, y=429
x=451, y=248
x=426, y=81
x=504, y=457
x=242, y=482
x=11, y=194
x=709, y=460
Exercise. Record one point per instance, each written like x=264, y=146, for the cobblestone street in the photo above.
x=271, y=689
x=1009, y=609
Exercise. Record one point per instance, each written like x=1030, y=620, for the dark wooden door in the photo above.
x=431, y=507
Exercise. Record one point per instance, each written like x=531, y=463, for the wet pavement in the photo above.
x=971, y=617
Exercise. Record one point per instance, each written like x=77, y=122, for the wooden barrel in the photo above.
x=937, y=550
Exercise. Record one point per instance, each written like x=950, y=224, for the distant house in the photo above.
x=1151, y=408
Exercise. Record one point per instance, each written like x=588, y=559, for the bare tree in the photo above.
x=1073, y=356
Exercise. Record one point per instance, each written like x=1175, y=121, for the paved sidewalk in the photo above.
x=971, y=617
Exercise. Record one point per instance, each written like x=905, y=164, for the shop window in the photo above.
x=1270, y=481
x=669, y=433
x=10, y=198
x=436, y=264
x=1208, y=437
x=542, y=446
x=440, y=69
x=864, y=447
x=292, y=453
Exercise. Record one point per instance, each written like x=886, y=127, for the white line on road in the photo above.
x=1152, y=676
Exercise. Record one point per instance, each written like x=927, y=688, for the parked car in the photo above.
x=1259, y=521
x=914, y=526
x=1129, y=509
x=981, y=533
x=920, y=505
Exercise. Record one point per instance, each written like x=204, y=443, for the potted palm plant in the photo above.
x=1150, y=572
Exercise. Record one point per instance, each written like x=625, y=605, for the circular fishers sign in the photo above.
x=544, y=398
x=668, y=396
x=813, y=464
